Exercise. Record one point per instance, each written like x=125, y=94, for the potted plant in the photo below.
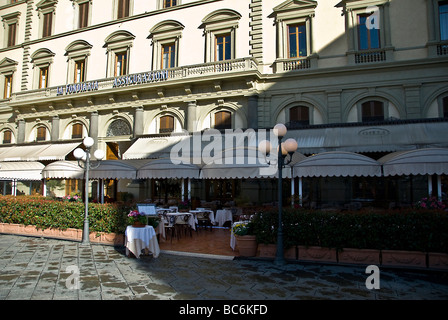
x=245, y=238
x=137, y=219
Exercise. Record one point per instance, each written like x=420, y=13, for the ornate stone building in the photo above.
x=367, y=77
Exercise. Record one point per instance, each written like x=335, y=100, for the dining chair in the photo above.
x=204, y=221
x=183, y=224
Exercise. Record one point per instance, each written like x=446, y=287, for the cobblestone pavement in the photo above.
x=47, y=269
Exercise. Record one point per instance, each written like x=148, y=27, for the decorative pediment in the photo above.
x=78, y=45
x=171, y=27
x=119, y=36
x=8, y=65
x=293, y=5
x=44, y=4
x=43, y=53
x=222, y=15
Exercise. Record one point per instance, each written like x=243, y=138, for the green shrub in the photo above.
x=411, y=229
x=45, y=213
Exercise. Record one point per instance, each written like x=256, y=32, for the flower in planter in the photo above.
x=134, y=216
x=243, y=229
x=430, y=203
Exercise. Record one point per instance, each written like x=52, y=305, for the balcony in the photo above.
x=184, y=73
x=295, y=64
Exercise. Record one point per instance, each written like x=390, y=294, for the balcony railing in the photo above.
x=185, y=72
x=370, y=56
x=285, y=65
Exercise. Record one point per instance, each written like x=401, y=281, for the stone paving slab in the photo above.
x=49, y=269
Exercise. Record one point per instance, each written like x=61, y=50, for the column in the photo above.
x=55, y=128
x=138, y=121
x=191, y=116
x=252, y=121
x=21, y=131
x=93, y=131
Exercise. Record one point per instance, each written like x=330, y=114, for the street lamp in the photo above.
x=283, y=149
x=84, y=162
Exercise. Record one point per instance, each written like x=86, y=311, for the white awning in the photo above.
x=400, y=136
x=37, y=152
x=336, y=164
x=165, y=168
x=152, y=148
x=63, y=170
x=421, y=161
x=116, y=169
x=26, y=170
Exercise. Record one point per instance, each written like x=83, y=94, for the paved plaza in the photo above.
x=47, y=269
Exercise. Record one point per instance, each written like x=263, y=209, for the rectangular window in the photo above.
x=7, y=91
x=297, y=41
x=79, y=71
x=168, y=55
x=372, y=111
x=445, y=107
x=368, y=36
x=12, y=30
x=47, y=24
x=77, y=131
x=123, y=9
x=169, y=3
x=299, y=115
x=41, y=134
x=223, y=47
x=120, y=64
x=166, y=124
x=443, y=20
x=43, y=77
x=7, y=136
x=83, y=15
x=223, y=120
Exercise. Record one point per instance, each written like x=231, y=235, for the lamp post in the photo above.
x=84, y=156
x=288, y=147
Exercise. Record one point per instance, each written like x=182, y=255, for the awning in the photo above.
x=152, y=148
x=37, y=152
x=421, y=161
x=63, y=170
x=250, y=164
x=30, y=170
x=336, y=164
x=165, y=168
x=393, y=137
x=116, y=169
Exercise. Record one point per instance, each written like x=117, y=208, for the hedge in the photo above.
x=45, y=213
x=410, y=229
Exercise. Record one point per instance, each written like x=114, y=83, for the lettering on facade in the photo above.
x=374, y=132
x=140, y=78
x=77, y=88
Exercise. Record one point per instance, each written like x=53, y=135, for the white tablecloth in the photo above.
x=192, y=221
x=138, y=239
x=222, y=216
x=211, y=214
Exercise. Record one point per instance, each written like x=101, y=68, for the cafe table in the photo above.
x=211, y=214
x=222, y=216
x=192, y=221
x=139, y=239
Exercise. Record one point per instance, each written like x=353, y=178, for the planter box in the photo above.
x=438, y=260
x=68, y=234
x=270, y=250
x=403, y=258
x=359, y=256
x=320, y=254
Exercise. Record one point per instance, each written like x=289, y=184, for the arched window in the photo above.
x=166, y=124
x=372, y=111
x=118, y=127
x=299, y=115
x=223, y=120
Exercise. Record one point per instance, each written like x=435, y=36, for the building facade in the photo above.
x=369, y=76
